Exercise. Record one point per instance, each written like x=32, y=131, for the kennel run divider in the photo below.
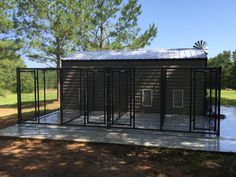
x=163, y=99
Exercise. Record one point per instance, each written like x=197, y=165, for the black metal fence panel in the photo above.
x=162, y=99
x=37, y=92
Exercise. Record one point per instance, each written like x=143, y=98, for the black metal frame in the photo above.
x=37, y=110
x=83, y=102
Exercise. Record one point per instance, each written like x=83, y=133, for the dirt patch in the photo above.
x=8, y=121
x=7, y=111
x=24, y=157
x=8, y=116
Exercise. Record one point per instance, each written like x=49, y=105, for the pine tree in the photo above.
x=9, y=46
x=9, y=43
x=52, y=29
x=115, y=26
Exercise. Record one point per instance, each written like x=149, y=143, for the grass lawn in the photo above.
x=11, y=98
x=39, y=158
x=228, y=97
x=8, y=106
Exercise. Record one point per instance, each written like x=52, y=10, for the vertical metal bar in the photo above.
x=127, y=95
x=60, y=72
x=58, y=77
x=109, y=98
x=161, y=99
x=219, y=86
x=194, y=99
x=19, y=95
x=205, y=92
x=130, y=96
x=104, y=94
x=210, y=83
x=112, y=97
x=216, y=92
x=38, y=97
x=190, y=105
x=44, y=90
x=134, y=107
x=87, y=98
x=80, y=95
x=35, y=97
x=94, y=100
x=119, y=73
x=164, y=106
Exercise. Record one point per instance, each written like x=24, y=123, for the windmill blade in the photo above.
x=201, y=45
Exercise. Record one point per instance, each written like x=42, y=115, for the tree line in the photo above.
x=227, y=61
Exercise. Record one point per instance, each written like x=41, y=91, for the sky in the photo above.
x=181, y=23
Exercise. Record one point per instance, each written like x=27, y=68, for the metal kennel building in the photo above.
x=154, y=89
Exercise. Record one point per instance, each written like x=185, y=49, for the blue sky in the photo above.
x=182, y=22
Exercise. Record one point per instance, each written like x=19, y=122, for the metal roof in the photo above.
x=140, y=54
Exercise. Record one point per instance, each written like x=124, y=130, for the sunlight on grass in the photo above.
x=228, y=97
x=11, y=98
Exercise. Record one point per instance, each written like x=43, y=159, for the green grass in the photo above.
x=228, y=97
x=11, y=98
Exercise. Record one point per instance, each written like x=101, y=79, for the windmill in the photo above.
x=201, y=45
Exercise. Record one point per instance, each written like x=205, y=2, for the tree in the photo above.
x=8, y=74
x=9, y=43
x=233, y=71
x=227, y=61
x=55, y=28
x=50, y=27
x=9, y=46
x=115, y=26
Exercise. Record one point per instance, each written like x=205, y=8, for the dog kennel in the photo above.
x=164, y=90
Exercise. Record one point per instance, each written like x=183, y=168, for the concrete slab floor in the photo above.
x=122, y=136
x=225, y=143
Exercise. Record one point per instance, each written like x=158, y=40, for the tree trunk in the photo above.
x=101, y=38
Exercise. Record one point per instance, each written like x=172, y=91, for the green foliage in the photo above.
x=3, y=92
x=50, y=27
x=115, y=26
x=54, y=28
x=27, y=82
x=50, y=79
x=8, y=73
x=227, y=61
x=10, y=44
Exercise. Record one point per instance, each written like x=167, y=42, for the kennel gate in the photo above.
x=37, y=94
